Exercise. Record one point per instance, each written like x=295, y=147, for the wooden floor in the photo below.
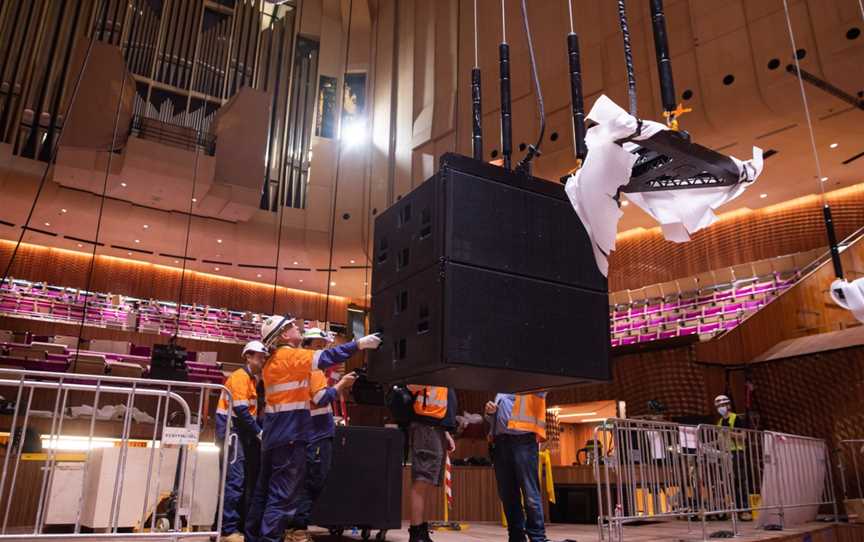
x=665, y=531
x=660, y=531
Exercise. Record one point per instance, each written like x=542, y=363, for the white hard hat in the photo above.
x=721, y=400
x=273, y=326
x=255, y=346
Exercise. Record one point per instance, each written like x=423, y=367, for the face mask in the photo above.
x=723, y=410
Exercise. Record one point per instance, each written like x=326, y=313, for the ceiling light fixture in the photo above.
x=123, y=184
x=129, y=253
x=352, y=261
x=63, y=211
x=194, y=200
x=577, y=415
x=332, y=284
x=137, y=240
x=80, y=245
x=625, y=203
x=176, y=261
x=216, y=269
x=833, y=145
x=823, y=179
x=146, y=226
x=301, y=280
x=258, y=275
x=47, y=223
x=295, y=263
x=763, y=196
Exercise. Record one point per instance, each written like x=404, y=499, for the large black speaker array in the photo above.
x=485, y=279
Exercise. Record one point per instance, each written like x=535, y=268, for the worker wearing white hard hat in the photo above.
x=740, y=479
x=287, y=421
x=244, y=439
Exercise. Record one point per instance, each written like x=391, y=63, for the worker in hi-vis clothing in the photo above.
x=287, y=422
x=244, y=440
x=518, y=425
x=319, y=450
x=740, y=477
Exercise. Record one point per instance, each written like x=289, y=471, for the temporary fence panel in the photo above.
x=656, y=470
x=851, y=463
x=108, y=454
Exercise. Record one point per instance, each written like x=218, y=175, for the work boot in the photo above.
x=419, y=533
x=233, y=537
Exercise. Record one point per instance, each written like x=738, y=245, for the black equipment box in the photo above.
x=485, y=279
x=364, y=488
x=168, y=362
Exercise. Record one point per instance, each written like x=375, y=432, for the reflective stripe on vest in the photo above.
x=286, y=407
x=286, y=386
x=431, y=401
x=321, y=411
x=529, y=414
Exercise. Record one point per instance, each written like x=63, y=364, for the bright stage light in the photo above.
x=354, y=133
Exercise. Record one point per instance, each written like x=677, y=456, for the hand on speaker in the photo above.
x=491, y=408
x=369, y=342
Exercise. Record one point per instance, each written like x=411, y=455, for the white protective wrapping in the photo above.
x=591, y=189
x=852, y=296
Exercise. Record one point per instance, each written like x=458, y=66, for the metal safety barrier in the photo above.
x=851, y=465
x=108, y=457
x=660, y=470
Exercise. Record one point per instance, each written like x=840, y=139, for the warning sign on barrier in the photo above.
x=180, y=435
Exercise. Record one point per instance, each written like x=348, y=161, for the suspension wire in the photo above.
x=368, y=219
x=533, y=150
x=338, y=169
x=503, y=23
x=628, y=56
x=476, y=39
x=281, y=193
x=570, y=15
x=186, y=247
x=55, y=146
x=861, y=7
x=806, y=104
x=826, y=207
x=91, y=268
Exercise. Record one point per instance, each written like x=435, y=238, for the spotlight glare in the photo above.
x=354, y=133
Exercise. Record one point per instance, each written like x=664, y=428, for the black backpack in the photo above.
x=400, y=401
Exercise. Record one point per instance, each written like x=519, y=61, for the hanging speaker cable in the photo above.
x=52, y=157
x=92, y=266
x=281, y=193
x=338, y=170
x=628, y=56
x=826, y=208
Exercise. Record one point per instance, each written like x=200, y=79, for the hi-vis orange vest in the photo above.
x=242, y=388
x=529, y=414
x=286, y=379
x=318, y=382
x=431, y=401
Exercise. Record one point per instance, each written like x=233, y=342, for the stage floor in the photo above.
x=665, y=531
x=659, y=531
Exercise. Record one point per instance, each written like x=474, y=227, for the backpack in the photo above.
x=400, y=402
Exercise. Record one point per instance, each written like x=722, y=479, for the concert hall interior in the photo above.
x=414, y=270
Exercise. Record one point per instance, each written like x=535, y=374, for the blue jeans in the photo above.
x=319, y=456
x=516, y=472
x=278, y=494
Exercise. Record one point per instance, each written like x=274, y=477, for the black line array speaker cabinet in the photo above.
x=485, y=279
x=364, y=488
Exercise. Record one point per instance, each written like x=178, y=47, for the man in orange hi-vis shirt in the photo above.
x=243, y=441
x=287, y=422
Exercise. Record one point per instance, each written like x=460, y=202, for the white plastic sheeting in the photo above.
x=850, y=296
x=591, y=189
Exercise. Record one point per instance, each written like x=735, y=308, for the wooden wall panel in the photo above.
x=644, y=257
x=146, y=280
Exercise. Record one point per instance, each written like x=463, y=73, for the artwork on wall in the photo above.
x=325, y=122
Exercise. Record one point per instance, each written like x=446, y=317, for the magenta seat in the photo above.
x=687, y=330
x=692, y=315
x=711, y=311
x=709, y=328
x=732, y=307
x=726, y=294
x=752, y=305
x=656, y=321
x=668, y=334
x=647, y=337
x=621, y=327
x=729, y=324
x=628, y=340
x=616, y=342
x=651, y=309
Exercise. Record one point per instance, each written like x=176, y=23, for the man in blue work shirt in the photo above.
x=518, y=425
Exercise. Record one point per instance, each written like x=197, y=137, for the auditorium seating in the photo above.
x=49, y=355
x=37, y=301
x=703, y=305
